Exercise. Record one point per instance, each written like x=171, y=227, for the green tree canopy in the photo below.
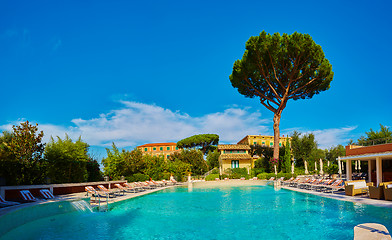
x=376, y=137
x=303, y=148
x=213, y=159
x=67, y=160
x=206, y=142
x=27, y=149
x=192, y=157
x=276, y=68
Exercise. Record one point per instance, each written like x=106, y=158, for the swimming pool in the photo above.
x=248, y=212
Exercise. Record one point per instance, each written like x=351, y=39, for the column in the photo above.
x=379, y=170
x=349, y=170
x=369, y=170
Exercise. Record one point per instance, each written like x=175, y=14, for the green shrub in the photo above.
x=138, y=177
x=237, y=173
x=223, y=176
x=212, y=177
x=215, y=171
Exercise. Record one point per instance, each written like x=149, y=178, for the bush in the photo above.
x=279, y=175
x=215, y=171
x=256, y=171
x=138, y=177
x=237, y=173
x=212, y=177
x=333, y=169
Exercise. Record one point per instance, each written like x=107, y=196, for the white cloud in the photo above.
x=138, y=123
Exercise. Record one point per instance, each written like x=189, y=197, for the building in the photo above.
x=263, y=140
x=378, y=157
x=234, y=156
x=157, y=149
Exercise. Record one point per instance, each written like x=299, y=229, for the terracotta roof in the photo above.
x=233, y=156
x=158, y=144
x=233, y=147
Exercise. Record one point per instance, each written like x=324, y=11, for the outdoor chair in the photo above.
x=335, y=186
x=27, y=196
x=122, y=189
x=378, y=192
x=107, y=191
x=133, y=186
x=4, y=203
x=388, y=192
x=355, y=187
x=46, y=194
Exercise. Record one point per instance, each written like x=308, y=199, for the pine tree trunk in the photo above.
x=276, y=135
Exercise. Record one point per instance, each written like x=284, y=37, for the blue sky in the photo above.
x=135, y=72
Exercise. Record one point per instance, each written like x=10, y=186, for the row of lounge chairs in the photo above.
x=120, y=190
x=320, y=185
x=27, y=196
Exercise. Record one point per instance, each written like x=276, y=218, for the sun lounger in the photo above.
x=107, y=191
x=315, y=184
x=46, y=194
x=4, y=203
x=302, y=184
x=335, y=186
x=294, y=183
x=27, y=196
x=121, y=188
x=174, y=181
x=287, y=182
x=271, y=179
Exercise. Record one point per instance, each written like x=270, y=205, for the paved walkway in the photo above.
x=82, y=195
x=340, y=195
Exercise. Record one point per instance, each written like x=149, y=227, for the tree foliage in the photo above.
x=287, y=157
x=67, y=160
x=384, y=135
x=26, y=148
x=276, y=68
x=213, y=159
x=205, y=142
x=303, y=148
x=194, y=158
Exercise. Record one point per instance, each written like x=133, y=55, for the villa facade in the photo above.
x=263, y=140
x=157, y=149
x=234, y=156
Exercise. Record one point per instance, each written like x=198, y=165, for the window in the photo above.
x=161, y=148
x=263, y=143
x=254, y=143
x=154, y=149
x=271, y=143
x=167, y=156
x=280, y=144
x=176, y=148
x=168, y=148
x=235, y=164
x=145, y=149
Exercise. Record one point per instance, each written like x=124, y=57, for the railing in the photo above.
x=375, y=141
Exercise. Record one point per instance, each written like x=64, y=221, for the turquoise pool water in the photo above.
x=252, y=212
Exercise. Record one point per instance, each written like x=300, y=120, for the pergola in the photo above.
x=374, y=155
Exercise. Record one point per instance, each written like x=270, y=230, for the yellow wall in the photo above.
x=262, y=140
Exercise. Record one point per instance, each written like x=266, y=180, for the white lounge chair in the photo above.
x=46, y=194
x=27, y=196
x=4, y=203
